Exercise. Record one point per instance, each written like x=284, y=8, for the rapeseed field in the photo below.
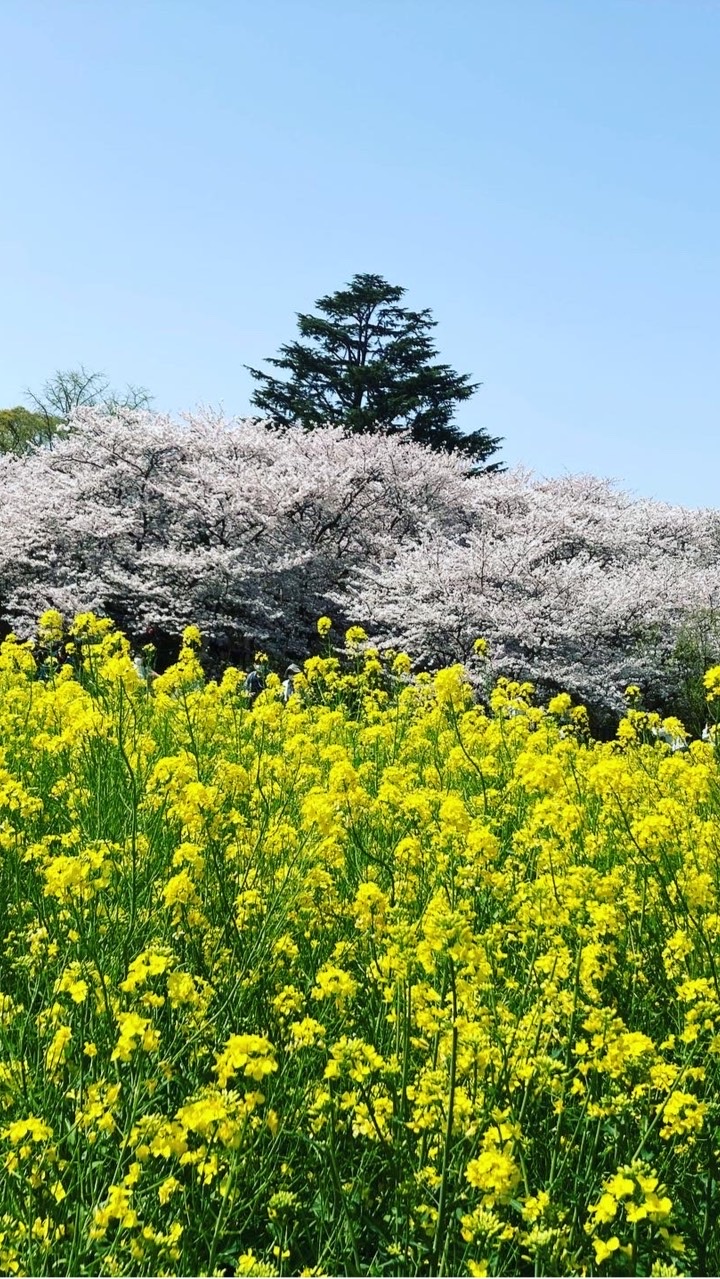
x=374, y=981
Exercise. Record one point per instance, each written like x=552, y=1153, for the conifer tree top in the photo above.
x=367, y=363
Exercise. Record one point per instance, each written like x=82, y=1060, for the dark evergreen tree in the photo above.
x=368, y=364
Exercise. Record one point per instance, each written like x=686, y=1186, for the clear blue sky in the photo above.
x=181, y=176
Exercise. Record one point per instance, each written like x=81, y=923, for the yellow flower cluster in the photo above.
x=373, y=979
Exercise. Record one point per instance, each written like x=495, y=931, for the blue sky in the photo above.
x=182, y=176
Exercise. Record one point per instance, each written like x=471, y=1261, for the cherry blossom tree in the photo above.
x=574, y=584
x=253, y=533
x=245, y=530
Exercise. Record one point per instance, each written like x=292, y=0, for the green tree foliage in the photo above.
x=696, y=649
x=22, y=430
x=369, y=364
